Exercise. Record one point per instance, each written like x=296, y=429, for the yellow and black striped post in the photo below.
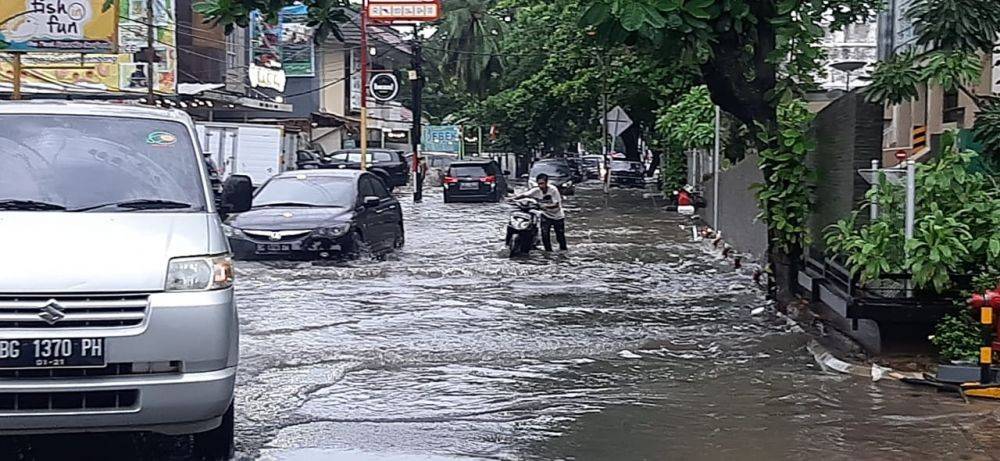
x=919, y=138
x=986, y=351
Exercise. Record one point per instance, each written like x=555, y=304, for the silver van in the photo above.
x=116, y=298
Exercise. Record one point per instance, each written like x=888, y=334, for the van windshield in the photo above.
x=95, y=162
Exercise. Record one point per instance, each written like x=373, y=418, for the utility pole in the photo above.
x=417, y=87
x=16, y=95
x=364, y=83
x=604, y=127
x=150, y=54
x=715, y=168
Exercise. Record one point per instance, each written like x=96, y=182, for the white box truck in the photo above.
x=244, y=148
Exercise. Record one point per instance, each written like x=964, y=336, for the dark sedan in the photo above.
x=627, y=174
x=389, y=165
x=592, y=166
x=559, y=172
x=318, y=213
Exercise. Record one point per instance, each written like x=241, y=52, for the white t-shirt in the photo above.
x=550, y=200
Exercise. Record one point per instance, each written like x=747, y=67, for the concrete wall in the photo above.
x=738, y=208
x=848, y=136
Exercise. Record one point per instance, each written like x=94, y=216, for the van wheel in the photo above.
x=217, y=444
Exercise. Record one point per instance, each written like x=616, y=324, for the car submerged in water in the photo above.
x=559, y=172
x=627, y=174
x=389, y=165
x=474, y=181
x=318, y=214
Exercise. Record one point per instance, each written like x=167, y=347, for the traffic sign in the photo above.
x=383, y=87
x=618, y=121
x=403, y=11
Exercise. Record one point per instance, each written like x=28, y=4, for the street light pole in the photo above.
x=364, y=84
x=150, y=54
x=417, y=86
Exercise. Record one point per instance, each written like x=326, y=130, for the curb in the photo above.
x=713, y=242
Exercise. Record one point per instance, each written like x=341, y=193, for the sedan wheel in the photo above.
x=400, y=238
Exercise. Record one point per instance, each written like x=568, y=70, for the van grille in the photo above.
x=72, y=311
x=27, y=402
x=111, y=369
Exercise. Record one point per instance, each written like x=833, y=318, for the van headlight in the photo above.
x=231, y=231
x=200, y=273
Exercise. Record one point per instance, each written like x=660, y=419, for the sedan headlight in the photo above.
x=338, y=230
x=200, y=273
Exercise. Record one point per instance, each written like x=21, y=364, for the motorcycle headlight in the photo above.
x=568, y=184
x=201, y=273
x=339, y=230
x=521, y=225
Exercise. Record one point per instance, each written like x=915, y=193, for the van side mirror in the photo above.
x=371, y=201
x=237, y=194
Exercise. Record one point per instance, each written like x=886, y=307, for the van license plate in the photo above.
x=52, y=353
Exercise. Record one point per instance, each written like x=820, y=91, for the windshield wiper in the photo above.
x=29, y=205
x=308, y=205
x=139, y=204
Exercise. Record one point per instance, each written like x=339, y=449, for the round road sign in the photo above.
x=383, y=87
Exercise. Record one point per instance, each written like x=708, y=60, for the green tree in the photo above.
x=468, y=38
x=752, y=55
x=687, y=124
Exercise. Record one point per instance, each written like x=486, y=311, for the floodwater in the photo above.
x=636, y=344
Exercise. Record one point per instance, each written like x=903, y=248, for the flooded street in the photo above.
x=636, y=344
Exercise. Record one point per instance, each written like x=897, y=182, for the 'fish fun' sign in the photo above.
x=77, y=26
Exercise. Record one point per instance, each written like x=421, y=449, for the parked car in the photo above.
x=627, y=174
x=389, y=165
x=591, y=165
x=559, y=172
x=576, y=166
x=318, y=213
x=437, y=166
x=307, y=160
x=111, y=247
x=474, y=181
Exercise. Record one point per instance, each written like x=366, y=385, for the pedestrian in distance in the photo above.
x=553, y=217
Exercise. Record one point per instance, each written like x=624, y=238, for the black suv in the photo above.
x=474, y=181
x=389, y=165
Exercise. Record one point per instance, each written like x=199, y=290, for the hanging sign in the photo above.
x=79, y=26
x=383, y=87
x=266, y=77
x=404, y=11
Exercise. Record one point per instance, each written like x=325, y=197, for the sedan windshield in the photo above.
x=98, y=163
x=317, y=191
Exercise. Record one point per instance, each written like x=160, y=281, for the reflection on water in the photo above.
x=633, y=345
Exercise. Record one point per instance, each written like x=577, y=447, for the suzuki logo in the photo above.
x=52, y=312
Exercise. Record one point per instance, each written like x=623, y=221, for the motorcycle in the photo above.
x=523, y=226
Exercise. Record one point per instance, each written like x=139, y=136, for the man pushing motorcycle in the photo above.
x=550, y=202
